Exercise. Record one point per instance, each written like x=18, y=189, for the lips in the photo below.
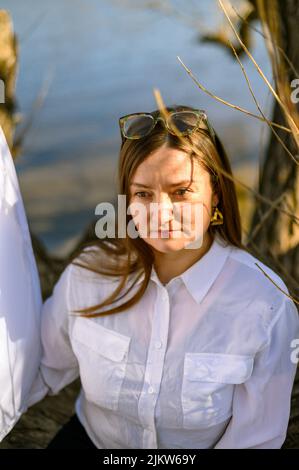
x=160, y=232
x=168, y=230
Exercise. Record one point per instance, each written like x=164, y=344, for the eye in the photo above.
x=184, y=191
x=141, y=192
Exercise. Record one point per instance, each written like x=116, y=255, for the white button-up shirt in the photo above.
x=204, y=361
x=20, y=299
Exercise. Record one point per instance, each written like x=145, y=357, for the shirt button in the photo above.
x=150, y=390
x=158, y=344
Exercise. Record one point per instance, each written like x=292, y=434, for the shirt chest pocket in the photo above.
x=102, y=356
x=208, y=385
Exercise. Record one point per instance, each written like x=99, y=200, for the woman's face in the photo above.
x=168, y=199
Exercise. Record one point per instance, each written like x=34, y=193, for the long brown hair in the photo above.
x=121, y=258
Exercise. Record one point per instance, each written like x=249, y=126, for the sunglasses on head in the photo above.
x=184, y=122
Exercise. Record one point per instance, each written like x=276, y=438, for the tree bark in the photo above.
x=277, y=240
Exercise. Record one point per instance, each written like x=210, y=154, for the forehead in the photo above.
x=168, y=165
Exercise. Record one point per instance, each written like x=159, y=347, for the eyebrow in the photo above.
x=179, y=183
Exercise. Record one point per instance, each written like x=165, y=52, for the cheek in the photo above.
x=140, y=215
x=196, y=221
x=190, y=213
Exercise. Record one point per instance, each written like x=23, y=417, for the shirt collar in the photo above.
x=201, y=275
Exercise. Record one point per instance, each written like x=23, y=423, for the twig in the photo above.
x=257, y=195
x=273, y=282
x=270, y=25
x=272, y=259
x=165, y=113
x=290, y=63
x=260, y=109
x=265, y=217
x=227, y=103
x=290, y=118
x=262, y=144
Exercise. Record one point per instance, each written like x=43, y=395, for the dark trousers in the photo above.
x=71, y=436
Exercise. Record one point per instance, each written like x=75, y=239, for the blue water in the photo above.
x=101, y=60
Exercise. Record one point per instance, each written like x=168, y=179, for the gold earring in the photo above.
x=217, y=218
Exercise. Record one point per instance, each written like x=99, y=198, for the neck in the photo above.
x=170, y=265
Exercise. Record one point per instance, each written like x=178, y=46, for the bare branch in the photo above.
x=221, y=170
x=289, y=117
x=273, y=282
x=238, y=108
x=260, y=109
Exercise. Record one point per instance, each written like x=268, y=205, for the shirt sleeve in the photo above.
x=58, y=366
x=261, y=405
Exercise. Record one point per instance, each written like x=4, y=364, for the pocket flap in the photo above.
x=216, y=367
x=104, y=341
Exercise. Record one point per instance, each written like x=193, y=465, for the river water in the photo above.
x=99, y=60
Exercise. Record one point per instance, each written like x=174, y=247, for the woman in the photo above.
x=179, y=340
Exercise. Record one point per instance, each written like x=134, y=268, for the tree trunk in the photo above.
x=277, y=240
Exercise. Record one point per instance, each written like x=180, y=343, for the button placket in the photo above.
x=154, y=365
x=173, y=286
x=149, y=439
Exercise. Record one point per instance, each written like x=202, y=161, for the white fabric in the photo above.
x=20, y=299
x=203, y=362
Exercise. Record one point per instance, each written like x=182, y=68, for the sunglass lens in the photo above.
x=184, y=121
x=138, y=126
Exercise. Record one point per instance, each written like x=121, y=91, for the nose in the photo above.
x=163, y=212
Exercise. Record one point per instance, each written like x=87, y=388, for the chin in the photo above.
x=168, y=245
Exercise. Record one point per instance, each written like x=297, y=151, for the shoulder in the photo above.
x=258, y=284
x=94, y=273
x=259, y=299
x=86, y=285
x=256, y=269
x=88, y=257
x=93, y=259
